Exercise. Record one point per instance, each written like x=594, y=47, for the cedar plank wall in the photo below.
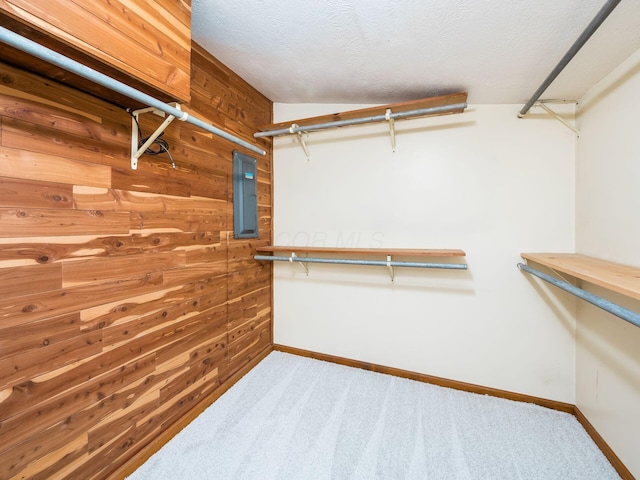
x=125, y=299
x=145, y=44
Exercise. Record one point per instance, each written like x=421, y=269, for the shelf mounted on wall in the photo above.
x=388, y=254
x=432, y=106
x=617, y=278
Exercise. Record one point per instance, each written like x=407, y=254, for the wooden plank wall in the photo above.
x=125, y=299
x=145, y=44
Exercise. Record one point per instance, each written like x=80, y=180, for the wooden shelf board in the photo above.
x=380, y=110
x=367, y=251
x=618, y=278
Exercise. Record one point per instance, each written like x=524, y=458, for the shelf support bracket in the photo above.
x=390, y=267
x=297, y=259
x=136, y=150
x=303, y=144
x=559, y=275
x=392, y=128
x=557, y=117
x=608, y=306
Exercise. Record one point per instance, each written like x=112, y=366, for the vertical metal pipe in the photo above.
x=582, y=39
x=613, y=308
x=48, y=55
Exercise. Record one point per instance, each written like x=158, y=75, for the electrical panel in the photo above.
x=245, y=196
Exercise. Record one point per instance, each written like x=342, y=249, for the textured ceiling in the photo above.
x=384, y=51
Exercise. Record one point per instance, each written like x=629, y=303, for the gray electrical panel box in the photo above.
x=245, y=196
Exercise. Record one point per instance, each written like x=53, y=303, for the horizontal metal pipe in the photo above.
x=358, y=121
x=48, y=55
x=377, y=263
x=600, y=17
x=613, y=308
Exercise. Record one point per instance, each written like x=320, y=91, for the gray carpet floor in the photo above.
x=294, y=418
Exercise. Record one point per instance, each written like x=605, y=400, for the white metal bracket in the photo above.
x=300, y=139
x=392, y=129
x=391, y=272
x=557, y=117
x=297, y=259
x=137, y=151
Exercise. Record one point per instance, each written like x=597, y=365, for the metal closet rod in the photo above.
x=582, y=39
x=48, y=55
x=376, y=263
x=614, y=308
x=358, y=121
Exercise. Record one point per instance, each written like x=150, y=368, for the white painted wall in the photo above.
x=608, y=227
x=484, y=181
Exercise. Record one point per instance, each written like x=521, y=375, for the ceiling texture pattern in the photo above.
x=385, y=51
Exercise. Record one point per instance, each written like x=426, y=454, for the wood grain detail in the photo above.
x=146, y=44
x=27, y=280
x=23, y=222
x=618, y=278
x=32, y=194
x=30, y=165
x=134, y=463
x=126, y=302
